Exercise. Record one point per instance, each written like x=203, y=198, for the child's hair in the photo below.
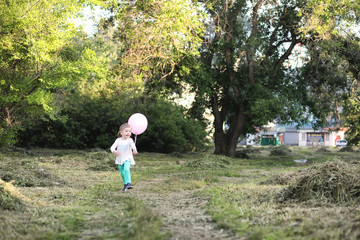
x=122, y=127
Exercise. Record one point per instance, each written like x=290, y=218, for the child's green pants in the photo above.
x=125, y=172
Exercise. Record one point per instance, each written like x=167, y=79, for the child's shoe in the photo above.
x=125, y=187
x=129, y=186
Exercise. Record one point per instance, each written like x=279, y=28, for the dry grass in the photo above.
x=319, y=200
x=10, y=197
x=331, y=182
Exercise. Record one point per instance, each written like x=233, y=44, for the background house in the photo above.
x=321, y=137
x=306, y=136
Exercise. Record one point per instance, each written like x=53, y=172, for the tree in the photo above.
x=351, y=105
x=333, y=69
x=241, y=74
x=151, y=37
x=36, y=59
x=352, y=118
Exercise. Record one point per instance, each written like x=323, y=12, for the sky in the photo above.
x=89, y=19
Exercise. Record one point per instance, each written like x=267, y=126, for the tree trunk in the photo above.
x=226, y=143
x=220, y=143
x=219, y=135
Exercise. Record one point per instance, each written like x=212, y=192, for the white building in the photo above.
x=321, y=137
x=312, y=137
x=305, y=136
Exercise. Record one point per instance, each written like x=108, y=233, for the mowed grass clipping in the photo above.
x=68, y=194
x=86, y=204
x=335, y=182
x=10, y=197
x=316, y=200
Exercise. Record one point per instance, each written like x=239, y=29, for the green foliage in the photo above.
x=246, y=72
x=35, y=59
x=94, y=121
x=352, y=120
x=319, y=17
x=151, y=37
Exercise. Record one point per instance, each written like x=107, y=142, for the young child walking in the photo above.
x=124, y=148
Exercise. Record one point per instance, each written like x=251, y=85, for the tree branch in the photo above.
x=285, y=56
x=249, y=56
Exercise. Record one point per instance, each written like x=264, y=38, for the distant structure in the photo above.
x=305, y=136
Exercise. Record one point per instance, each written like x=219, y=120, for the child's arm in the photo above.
x=133, y=146
x=113, y=148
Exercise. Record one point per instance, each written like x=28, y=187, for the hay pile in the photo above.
x=323, y=150
x=281, y=150
x=102, y=161
x=28, y=173
x=349, y=149
x=10, y=197
x=281, y=179
x=330, y=182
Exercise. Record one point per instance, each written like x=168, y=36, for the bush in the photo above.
x=94, y=122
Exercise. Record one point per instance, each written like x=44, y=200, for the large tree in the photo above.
x=243, y=70
x=244, y=74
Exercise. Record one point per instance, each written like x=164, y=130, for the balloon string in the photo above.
x=135, y=138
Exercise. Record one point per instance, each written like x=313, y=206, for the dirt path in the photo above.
x=181, y=212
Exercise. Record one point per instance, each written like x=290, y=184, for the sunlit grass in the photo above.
x=74, y=194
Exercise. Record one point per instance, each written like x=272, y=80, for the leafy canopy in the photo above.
x=35, y=61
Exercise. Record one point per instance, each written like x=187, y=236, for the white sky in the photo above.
x=89, y=19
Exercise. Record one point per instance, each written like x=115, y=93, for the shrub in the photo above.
x=89, y=122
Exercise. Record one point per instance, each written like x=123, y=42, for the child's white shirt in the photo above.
x=125, y=148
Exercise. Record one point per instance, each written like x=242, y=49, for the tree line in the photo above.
x=61, y=87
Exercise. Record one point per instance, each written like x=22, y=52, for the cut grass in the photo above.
x=88, y=202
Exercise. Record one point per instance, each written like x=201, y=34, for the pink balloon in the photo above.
x=138, y=123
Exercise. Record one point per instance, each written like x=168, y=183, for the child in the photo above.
x=124, y=148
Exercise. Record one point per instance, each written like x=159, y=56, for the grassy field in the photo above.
x=69, y=194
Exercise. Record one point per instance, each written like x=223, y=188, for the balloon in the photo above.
x=138, y=123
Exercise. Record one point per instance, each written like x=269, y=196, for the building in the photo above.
x=305, y=136
x=320, y=137
x=313, y=137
